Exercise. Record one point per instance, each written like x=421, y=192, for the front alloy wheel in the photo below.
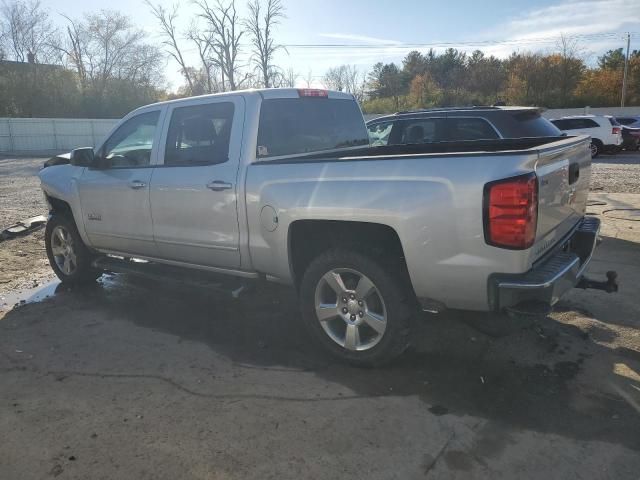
x=63, y=250
x=68, y=255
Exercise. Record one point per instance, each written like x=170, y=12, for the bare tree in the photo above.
x=334, y=78
x=224, y=32
x=308, y=79
x=289, y=78
x=345, y=78
x=167, y=21
x=571, y=66
x=260, y=25
x=106, y=46
x=203, y=43
x=28, y=34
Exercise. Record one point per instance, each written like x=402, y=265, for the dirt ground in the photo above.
x=140, y=379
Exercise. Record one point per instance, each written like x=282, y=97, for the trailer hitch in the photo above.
x=609, y=286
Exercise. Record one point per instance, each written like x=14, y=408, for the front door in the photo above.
x=114, y=194
x=193, y=192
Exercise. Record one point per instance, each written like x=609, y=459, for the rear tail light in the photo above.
x=511, y=212
x=312, y=92
x=616, y=130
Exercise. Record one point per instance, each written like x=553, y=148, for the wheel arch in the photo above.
x=307, y=239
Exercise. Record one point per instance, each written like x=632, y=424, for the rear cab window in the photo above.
x=290, y=126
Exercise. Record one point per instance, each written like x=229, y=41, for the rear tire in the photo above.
x=596, y=148
x=68, y=256
x=365, y=315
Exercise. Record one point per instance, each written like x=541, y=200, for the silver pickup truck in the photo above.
x=282, y=185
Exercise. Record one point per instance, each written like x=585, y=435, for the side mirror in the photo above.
x=82, y=157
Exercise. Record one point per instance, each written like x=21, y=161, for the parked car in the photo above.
x=459, y=124
x=630, y=138
x=282, y=185
x=632, y=121
x=605, y=131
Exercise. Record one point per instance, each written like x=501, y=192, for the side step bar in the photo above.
x=198, y=278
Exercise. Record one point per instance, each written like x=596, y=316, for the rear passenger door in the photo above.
x=194, y=189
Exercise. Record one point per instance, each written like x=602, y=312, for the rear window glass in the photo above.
x=300, y=125
x=535, y=125
x=626, y=121
x=613, y=122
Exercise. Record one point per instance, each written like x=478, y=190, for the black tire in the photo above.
x=82, y=271
x=596, y=147
x=390, y=288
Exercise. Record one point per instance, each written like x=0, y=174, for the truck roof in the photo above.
x=263, y=92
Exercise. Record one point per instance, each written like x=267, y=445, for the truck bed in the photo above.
x=470, y=147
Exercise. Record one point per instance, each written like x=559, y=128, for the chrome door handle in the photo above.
x=136, y=184
x=218, y=186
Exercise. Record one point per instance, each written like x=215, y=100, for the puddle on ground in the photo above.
x=30, y=295
x=43, y=291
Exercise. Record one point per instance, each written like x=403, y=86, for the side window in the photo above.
x=421, y=131
x=588, y=123
x=574, y=124
x=130, y=145
x=460, y=129
x=561, y=124
x=625, y=121
x=199, y=135
x=379, y=133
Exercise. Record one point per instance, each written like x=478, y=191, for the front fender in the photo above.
x=61, y=182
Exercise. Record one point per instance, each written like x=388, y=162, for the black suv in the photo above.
x=459, y=124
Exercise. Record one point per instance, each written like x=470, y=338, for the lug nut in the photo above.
x=352, y=296
x=353, y=317
x=344, y=310
x=361, y=313
x=344, y=299
x=360, y=302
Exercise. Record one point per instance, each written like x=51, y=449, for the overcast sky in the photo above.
x=388, y=28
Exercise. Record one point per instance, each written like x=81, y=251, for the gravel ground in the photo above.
x=618, y=173
x=23, y=262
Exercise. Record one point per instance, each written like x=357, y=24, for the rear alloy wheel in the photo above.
x=353, y=316
x=596, y=148
x=355, y=307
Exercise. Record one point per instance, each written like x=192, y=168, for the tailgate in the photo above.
x=563, y=186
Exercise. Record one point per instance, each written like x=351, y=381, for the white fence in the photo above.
x=43, y=136
x=38, y=136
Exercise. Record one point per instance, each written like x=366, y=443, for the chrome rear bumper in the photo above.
x=550, y=279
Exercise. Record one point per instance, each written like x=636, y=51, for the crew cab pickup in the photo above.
x=282, y=185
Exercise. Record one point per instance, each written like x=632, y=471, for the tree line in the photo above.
x=101, y=64
x=560, y=79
